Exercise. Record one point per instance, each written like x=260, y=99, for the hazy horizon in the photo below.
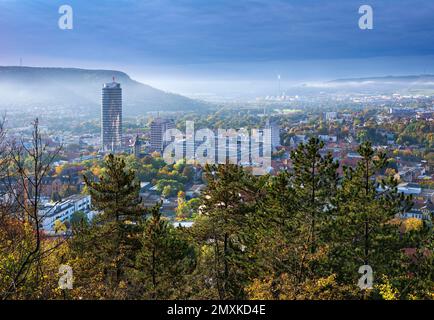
x=256, y=79
x=223, y=48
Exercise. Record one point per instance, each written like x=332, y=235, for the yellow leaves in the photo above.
x=387, y=291
x=181, y=195
x=411, y=296
x=286, y=287
x=326, y=282
x=412, y=224
x=325, y=288
x=96, y=171
x=59, y=170
x=260, y=289
x=123, y=285
x=59, y=226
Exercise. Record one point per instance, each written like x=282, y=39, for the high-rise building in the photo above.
x=158, y=127
x=273, y=126
x=111, y=117
x=137, y=147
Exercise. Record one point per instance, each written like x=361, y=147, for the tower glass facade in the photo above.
x=111, y=117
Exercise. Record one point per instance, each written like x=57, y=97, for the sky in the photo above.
x=215, y=46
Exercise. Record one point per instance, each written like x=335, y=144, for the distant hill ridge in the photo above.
x=27, y=87
x=409, y=78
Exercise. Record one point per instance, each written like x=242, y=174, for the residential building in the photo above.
x=409, y=188
x=327, y=138
x=63, y=210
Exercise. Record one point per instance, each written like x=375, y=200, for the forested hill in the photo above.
x=29, y=87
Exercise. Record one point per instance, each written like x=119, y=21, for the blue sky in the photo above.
x=161, y=41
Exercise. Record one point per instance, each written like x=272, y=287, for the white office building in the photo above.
x=158, y=128
x=63, y=210
x=275, y=133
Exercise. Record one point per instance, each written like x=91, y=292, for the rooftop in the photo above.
x=112, y=85
x=409, y=185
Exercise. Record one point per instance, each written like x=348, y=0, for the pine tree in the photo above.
x=163, y=261
x=363, y=231
x=276, y=233
x=112, y=240
x=224, y=231
x=314, y=181
x=116, y=194
x=294, y=212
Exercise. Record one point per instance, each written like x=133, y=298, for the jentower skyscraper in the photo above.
x=111, y=116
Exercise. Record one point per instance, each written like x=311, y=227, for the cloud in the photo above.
x=174, y=32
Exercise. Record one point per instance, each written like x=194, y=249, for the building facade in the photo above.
x=111, y=117
x=63, y=210
x=273, y=126
x=158, y=127
x=137, y=147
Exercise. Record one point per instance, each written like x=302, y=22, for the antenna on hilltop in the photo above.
x=21, y=62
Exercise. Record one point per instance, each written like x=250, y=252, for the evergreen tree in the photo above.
x=112, y=240
x=163, y=261
x=314, y=181
x=116, y=194
x=225, y=227
x=363, y=231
